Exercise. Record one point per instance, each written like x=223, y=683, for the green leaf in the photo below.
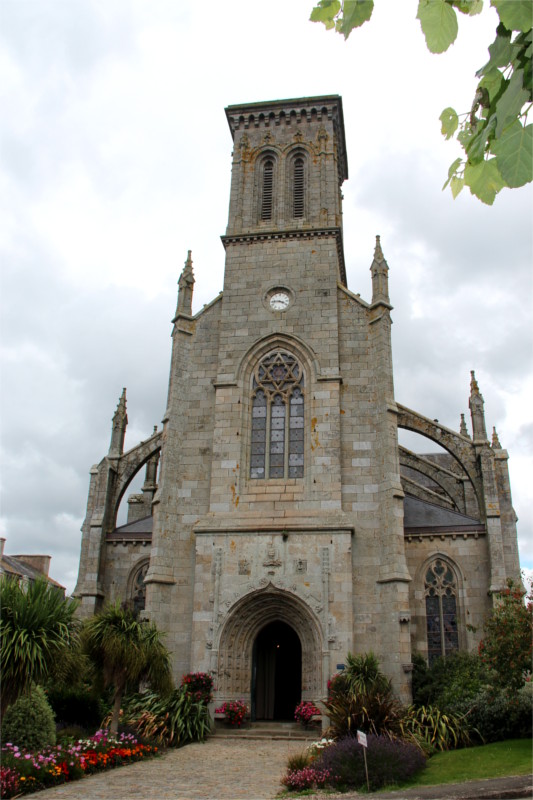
x=450, y=121
x=453, y=167
x=354, y=14
x=484, y=180
x=511, y=101
x=500, y=51
x=470, y=7
x=516, y=15
x=439, y=24
x=475, y=147
x=514, y=150
x=456, y=185
x=493, y=82
x=325, y=12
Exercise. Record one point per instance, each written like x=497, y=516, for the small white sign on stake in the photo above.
x=361, y=738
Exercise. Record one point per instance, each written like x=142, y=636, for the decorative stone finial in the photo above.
x=477, y=413
x=378, y=252
x=118, y=432
x=463, y=430
x=380, y=276
x=185, y=284
x=495, y=441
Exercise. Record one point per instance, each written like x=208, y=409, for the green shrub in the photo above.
x=450, y=683
x=496, y=715
x=29, y=722
x=76, y=707
x=173, y=720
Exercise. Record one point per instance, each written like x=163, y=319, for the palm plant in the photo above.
x=361, y=698
x=37, y=629
x=125, y=649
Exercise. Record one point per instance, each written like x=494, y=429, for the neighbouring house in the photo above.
x=26, y=568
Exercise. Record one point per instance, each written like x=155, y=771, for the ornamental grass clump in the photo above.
x=433, y=730
x=389, y=761
x=171, y=720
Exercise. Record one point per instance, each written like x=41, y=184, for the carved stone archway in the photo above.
x=246, y=619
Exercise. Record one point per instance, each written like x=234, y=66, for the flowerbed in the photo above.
x=23, y=772
x=199, y=685
x=234, y=712
x=305, y=712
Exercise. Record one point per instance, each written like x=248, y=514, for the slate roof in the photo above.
x=419, y=514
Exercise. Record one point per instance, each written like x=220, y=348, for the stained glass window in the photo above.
x=277, y=449
x=441, y=610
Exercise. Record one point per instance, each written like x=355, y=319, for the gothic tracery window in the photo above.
x=277, y=448
x=138, y=589
x=440, y=589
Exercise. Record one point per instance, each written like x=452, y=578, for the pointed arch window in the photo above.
x=298, y=187
x=440, y=589
x=277, y=447
x=138, y=588
x=267, y=189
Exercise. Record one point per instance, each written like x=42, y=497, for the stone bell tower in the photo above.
x=279, y=509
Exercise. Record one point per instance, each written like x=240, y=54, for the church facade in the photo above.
x=280, y=524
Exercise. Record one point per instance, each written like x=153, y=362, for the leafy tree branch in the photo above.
x=495, y=136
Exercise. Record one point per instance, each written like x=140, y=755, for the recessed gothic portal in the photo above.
x=243, y=647
x=276, y=672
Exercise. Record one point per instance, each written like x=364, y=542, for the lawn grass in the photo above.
x=496, y=760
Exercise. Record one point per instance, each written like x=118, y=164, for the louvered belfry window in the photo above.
x=268, y=185
x=441, y=610
x=277, y=449
x=298, y=188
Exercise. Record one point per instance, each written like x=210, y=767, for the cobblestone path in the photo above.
x=220, y=769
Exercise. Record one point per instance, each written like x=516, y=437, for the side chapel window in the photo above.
x=440, y=589
x=277, y=418
x=138, y=589
x=267, y=189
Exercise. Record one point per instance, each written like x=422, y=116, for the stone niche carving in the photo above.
x=244, y=567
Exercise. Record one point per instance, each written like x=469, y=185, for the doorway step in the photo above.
x=269, y=730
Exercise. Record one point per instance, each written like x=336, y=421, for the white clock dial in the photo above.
x=279, y=301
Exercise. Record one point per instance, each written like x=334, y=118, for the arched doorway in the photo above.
x=236, y=640
x=276, y=672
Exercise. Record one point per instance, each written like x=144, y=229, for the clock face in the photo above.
x=279, y=301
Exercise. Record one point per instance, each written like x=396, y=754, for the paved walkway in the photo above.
x=229, y=769
x=220, y=769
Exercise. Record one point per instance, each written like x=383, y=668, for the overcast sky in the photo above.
x=116, y=159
